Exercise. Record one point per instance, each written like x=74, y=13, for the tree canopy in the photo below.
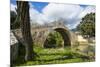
x=87, y=25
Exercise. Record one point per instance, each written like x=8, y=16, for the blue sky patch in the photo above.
x=13, y=2
x=39, y=5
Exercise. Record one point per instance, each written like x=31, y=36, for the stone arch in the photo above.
x=65, y=35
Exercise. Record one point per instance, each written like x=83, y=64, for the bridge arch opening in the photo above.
x=65, y=36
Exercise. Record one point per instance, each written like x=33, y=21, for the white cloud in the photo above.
x=71, y=14
x=61, y=10
x=36, y=16
x=87, y=10
x=13, y=7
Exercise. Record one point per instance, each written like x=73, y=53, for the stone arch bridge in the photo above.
x=40, y=34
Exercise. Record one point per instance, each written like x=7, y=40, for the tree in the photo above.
x=12, y=18
x=87, y=25
x=24, y=20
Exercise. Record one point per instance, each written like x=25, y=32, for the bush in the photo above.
x=54, y=40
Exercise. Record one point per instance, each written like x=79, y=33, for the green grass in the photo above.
x=55, y=56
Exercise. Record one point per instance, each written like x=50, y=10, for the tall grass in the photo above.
x=56, y=56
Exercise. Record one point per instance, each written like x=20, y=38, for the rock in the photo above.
x=13, y=39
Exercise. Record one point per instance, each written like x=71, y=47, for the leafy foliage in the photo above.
x=87, y=25
x=54, y=40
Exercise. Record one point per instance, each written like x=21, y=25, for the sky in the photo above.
x=45, y=12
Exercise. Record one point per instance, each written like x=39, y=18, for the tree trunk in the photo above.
x=24, y=19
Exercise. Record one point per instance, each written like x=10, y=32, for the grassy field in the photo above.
x=55, y=56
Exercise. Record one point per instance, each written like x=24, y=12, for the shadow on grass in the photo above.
x=50, y=60
x=21, y=56
x=60, y=56
x=21, y=60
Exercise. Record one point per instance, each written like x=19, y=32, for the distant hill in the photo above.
x=74, y=30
